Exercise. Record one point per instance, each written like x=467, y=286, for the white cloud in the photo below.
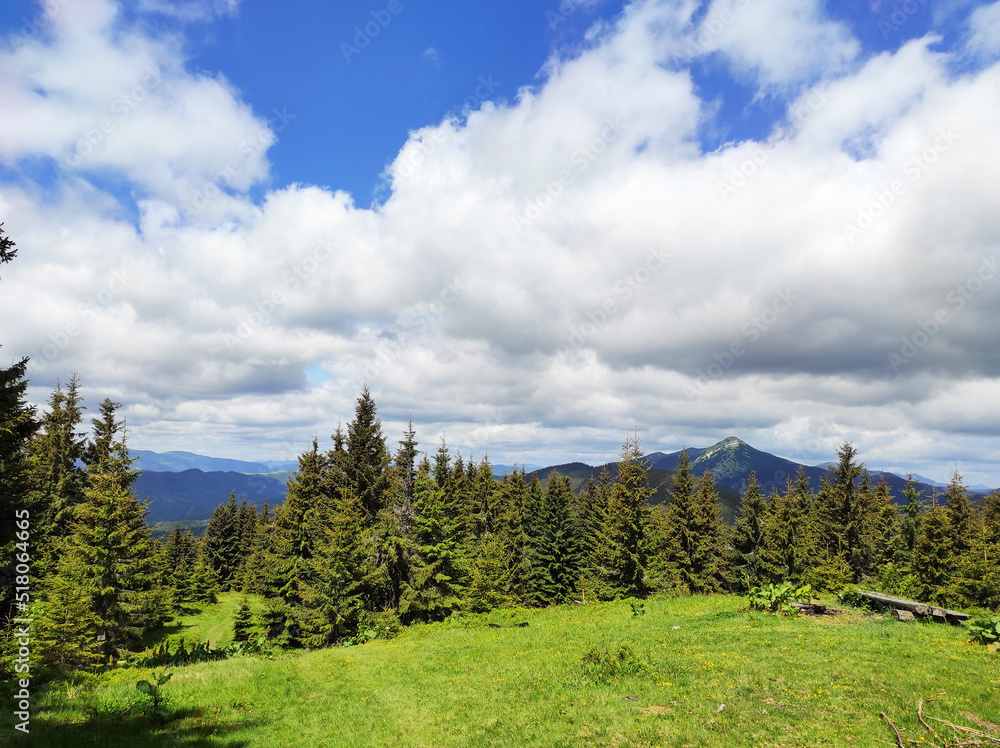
x=544, y=275
x=779, y=42
x=984, y=24
x=98, y=98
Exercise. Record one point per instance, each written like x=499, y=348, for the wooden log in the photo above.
x=902, y=615
x=920, y=609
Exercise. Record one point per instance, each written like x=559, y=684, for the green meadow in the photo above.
x=695, y=671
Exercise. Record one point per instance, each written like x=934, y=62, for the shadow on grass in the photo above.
x=136, y=731
x=161, y=634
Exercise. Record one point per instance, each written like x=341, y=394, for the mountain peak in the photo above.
x=732, y=442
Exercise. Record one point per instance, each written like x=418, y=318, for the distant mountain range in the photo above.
x=176, y=462
x=183, y=486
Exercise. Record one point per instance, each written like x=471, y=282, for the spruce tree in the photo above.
x=749, y=536
x=976, y=577
x=107, y=450
x=620, y=556
x=221, y=542
x=406, y=461
x=707, y=556
x=65, y=625
x=434, y=588
x=299, y=532
x=790, y=543
x=910, y=523
x=960, y=515
x=368, y=458
x=491, y=578
x=557, y=546
x=243, y=621
x=111, y=543
x=17, y=425
x=680, y=522
x=204, y=582
x=932, y=557
x=333, y=603
x=258, y=571
x=58, y=479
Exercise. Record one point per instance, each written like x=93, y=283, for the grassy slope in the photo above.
x=784, y=683
x=212, y=623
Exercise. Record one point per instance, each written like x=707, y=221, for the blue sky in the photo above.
x=532, y=226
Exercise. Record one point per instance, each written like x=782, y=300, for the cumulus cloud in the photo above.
x=544, y=274
x=985, y=27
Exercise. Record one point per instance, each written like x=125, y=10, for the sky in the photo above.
x=535, y=228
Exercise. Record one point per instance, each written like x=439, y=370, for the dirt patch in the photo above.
x=656, y=710
x=989, y=726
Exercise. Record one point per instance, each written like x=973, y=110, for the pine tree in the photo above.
x=406, y=461
x=679, y=520
x=17, y=426
x=790, y=542
x=442, y=463
x=434, y=588
x=749, y=535
x=491, y=578
x=56, y=451
x=65, y=625
x=910, y=524
x=884, y=532
x=932, y=557
x=620, y=557
x=334, y=602
x=204, y=582
x=111, y=542
x=960, y=518
x=107, y=450
x=707, y=556
x=557, y=546
x=976, y=577
x=368, y=458
x=243, y=621
x=258, y=571
x=221, y=542
x=299, y=532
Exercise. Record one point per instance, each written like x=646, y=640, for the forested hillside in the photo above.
x=371, y=538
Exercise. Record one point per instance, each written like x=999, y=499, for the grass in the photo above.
x=783, y=681
x=213, y=623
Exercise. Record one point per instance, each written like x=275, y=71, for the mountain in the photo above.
x=176, y=462
x=194, y=494
x=660, y=480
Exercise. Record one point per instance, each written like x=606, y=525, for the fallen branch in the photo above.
x=920, y=716
x=969, y=730
x=899, y=738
